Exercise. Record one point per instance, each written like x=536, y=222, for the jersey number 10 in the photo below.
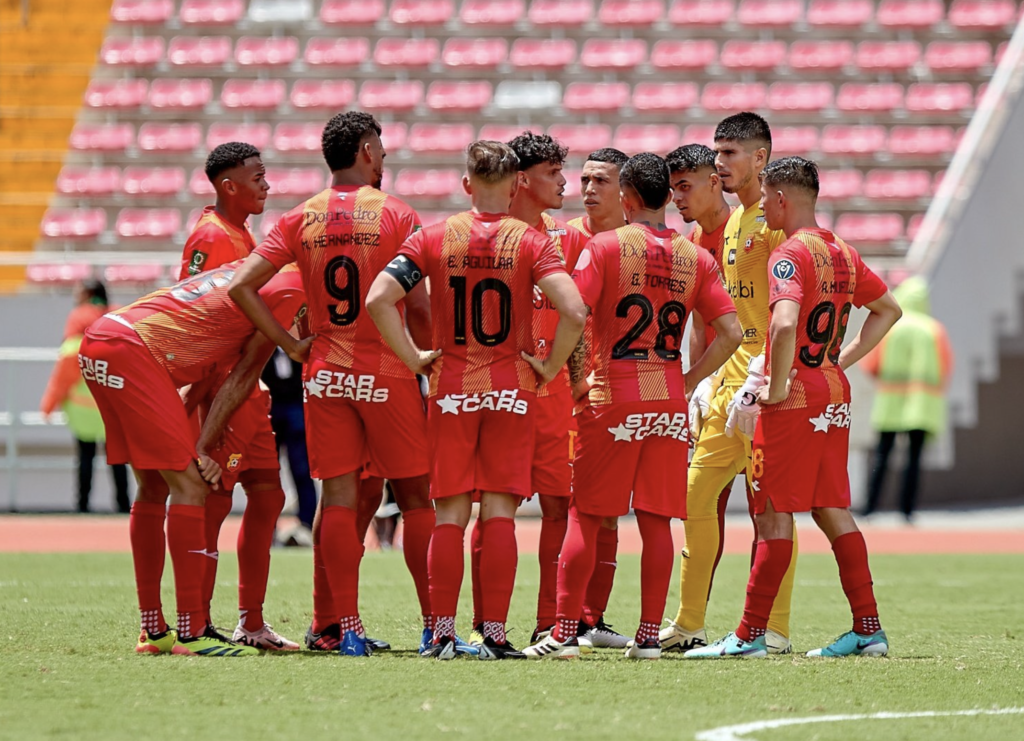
x=458, y=284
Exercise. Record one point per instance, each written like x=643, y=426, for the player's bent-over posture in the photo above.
x=482, y=266
x=802, y=437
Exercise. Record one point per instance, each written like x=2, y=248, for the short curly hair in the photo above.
x=343, y=135
x=794, y=171
x=535, y=149
x=691, y=158
x=648, y=175
x=226, y=156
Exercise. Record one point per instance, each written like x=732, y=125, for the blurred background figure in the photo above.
x=911, y=368
x=67, y=390
x=385, y=519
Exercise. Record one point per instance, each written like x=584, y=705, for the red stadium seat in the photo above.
x=161, y=137
x=474, y=53
x=390, y=95
x=351, y=13
x=448, y=138
x=685, y=54
x=61, y=272
x=800, y=140
x=887, y=56
x=900, y=185
x=492, y=12
x=799, y=96
x=333, y=94
x=582, y=139
x=842, y=139
x=658, y=138
x=180, y=94
x=630, y=12
x=406, y=52
x=958, y=56
x=153, y=181
x=134, y=273
x=296, y=182
x=257, y=134
x=141, y=12
x=820, y=55
x=733, y=96
x=91, y=137
x=343, y=52
x=700, y=12
x=549, y=54
x=613, y=54
x=393, y=137
x=664, y=97
x=560, y=12
x=468, y=96
x=922, y=140
x=871, y=97
x=699, y=134
x=753, y=55
x=909, y=13
x=68, y=223
x=500, y=132
x=298, y=137
x=914, y=226
x=88, y=181
x=147, y=223
x=266, y=51
x=769, y=13
x=839, y=13
x=986, y=14
x=199, y=185
x=839, y=185
x=211, y=12
x=116, y=93
x=428, y=183
x=144, y=51
x=869, y=228
x=928, y=97
x=252, y=95
x=199, y=51
x=421, y=12
x=593, y=97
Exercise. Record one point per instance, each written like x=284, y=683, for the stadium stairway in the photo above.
x=45, y=65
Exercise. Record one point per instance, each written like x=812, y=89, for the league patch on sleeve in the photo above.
x=783, y=270
x=197, y=262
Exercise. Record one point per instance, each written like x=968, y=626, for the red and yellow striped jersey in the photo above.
x=582, y=225
x=212, y=243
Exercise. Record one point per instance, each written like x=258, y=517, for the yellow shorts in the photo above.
x=714, y=448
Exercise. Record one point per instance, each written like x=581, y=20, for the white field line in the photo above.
x=739, y=732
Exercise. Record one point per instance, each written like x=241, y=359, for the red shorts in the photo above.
x=249, y=442
x=481, y=442
x=145, y=421
x=637, y=449
x=552, y=451
x=354, y=419
x=799, y=459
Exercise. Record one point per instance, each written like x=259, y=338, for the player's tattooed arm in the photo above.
x=578, y=360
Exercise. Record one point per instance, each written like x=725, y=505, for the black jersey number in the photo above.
x=476, y=310
x=347, y=293
x=671, y=320
x=827, y=330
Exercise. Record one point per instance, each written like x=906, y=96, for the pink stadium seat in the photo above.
x=91, y=137
x=887, y=56
x=144, y=51
x=794, y=140
x=839, y=185
x=153, y=181
x=753, y=55
x=699, y=134
x=406, y=52
x=914, y=226
x=257, y=134
x=938, y=97
x=684, y=54
x=839, y=13
x=298, y=137
x=870, y=97
x=548, y=54
x=900, y=185
x=958, y=56
x=733, y=96
x=147, y=223
x=769, y=13
x=500, y=132
x=937, y=181
x=394, y=136
x=448, y=138
x=560, y=12
x=909, y=13
x=986, y=14
x=474, y=53
x=116, y=93
x=664, y=97
x=421, y=12
x=161, y=137
x=211, y=12
x=333, y=94
x=613, y=54
x=820, y=55
x=390, y=95
x=1001, y=50
x=351, y=13
x=266, y=51
x=61, y=272
x=700, y=12
x=141, y=12
x=630, y=12
x=572, y=186
x=658, y=138
x=387, y=182
x=296, y=182
x=492, y=12
x=468, y=96
x=593, y=97
x=66, y=223
x=88, y=181
x=428, y=183
x=869, y=228
x=134, y=273
x=199, y=185
x=799, y=96
x=582, y=139
x=252, y=95
x=841, y=139
x=342, y=52
x=922, y=140
x=180, y=94
x=199, y=51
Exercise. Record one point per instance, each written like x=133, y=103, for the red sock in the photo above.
x=770, y=566
x=323, y=599
x=417, y=527
x=146, y=531
x=656, y=564
x=852, y=556
x=498, y=563
x=552, y=535
x=262, y=508
x=476, y=544
x=723, y=504
x=185, y=539
x=600, y=587
x=217, y=508
x=575, y=566
x=445, y=562
x=342, y=551
x=751, y=507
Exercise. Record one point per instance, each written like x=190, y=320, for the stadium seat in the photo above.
x=922, y=140
x=428, y=183
x=199, y=185
x=421, y=12
x=869, y=228
x=147, y=223
x=295, y=182
x=516, y=95
x=769, y=13
x=474, y=53
x=406, y=53
x=839, y=185
x=269, y=220
x=92, y=137
x=784, y=97
x=630, y=12
x=447, y=138
x=257, y=134
x=582, y=139
x=266, y=51
x=351, y=13
x=664, y=97
x=492, y=12
x=595, y=97
x=252, y=95
x=173, y=94
x=909, y=13
x=298, y=137
x=700, y=12
x=941, y=97
x=699, y=134
x=900, y=185
x=869, y=97
x=333, y=94
x=937, y=181
x=142, y=12
x=466, y=96
x=121, y=93
x=887, y=56
x=199, y=51
x=560, y=12
x=733, y=96
x=1000, y=51
x=820, y=55
x=162, y=137
x=501, y=132
x=839, y=13
x=986, y=14
x=280, y=11
x=390, y=95
x=914, y=226
x=211, y=12
x=123, y=51
x=66, y=223
x=842, y=139
x=546, y=54
x=800, y=140
x=613, y=54
x=957, y=56
x=343, y=52
x=67, y=273
x=88, y=181
x=134, y=273
x=657, y=138
x=394, y=136
x=572, y=187
x=671, y=54
x=152, y=181
x=752, y=55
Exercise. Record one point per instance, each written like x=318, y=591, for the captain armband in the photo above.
x=405, y=271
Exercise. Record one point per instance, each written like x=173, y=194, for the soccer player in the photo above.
x=483, y=266
x=599, y=185
x=802, y=438
x=639, y=282
x=134, y=360
x=363, y=405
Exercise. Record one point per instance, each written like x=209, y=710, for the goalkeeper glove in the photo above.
x=700, y=401
x=743, y=409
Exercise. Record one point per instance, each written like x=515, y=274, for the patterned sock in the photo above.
x=255, y=537
x=647, y=632
x=217, y=508
x=495, y=631
x=773, y=557
x=354, y=623
x=498, y=562
x=146, y=531
x=444, y=625
x=656, y=563
x=600, y=587
x=552, y=534
x=852, y=556
x=476, y=545
x=428, y=622
x=342, y=552
x=186, y=541
x=565, y=628
x=575, y=566
x=417, y=527
x=446, y=563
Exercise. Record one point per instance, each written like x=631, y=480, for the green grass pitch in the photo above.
x=67, y=669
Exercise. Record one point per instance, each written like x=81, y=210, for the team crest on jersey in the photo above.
x=234, y=461
x=783, y=270
x=835, y=415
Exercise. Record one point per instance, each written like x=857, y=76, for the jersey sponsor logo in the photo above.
x=838, y=260
x=750, y=333
x=783, y=270
x=196, y=262
x=234, y=461
x=98, y=371
x=652, y=424
x=662, y=255
x=556, y=232
x=740, y=289
x=495, y=401
x=338, y=385
x=835, y=415
x=340, y=214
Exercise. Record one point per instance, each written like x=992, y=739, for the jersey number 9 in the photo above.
x=347, y=293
